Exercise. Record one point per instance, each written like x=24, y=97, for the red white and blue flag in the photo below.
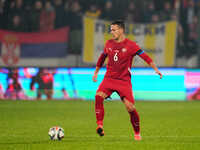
x=33, y=49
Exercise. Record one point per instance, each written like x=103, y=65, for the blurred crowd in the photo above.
x=40, y=85
x=46, y=15
x=14, y=90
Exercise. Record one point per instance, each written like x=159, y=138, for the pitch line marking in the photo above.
x=112, y=136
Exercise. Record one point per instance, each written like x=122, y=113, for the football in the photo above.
x=56, y=133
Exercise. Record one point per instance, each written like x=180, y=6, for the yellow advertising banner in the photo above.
x=157, y=40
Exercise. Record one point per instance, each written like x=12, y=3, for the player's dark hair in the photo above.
x=119, y=23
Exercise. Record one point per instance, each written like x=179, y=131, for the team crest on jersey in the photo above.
x=124, y=49
x=116, y=51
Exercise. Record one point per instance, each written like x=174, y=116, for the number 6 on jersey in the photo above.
x=115, y=57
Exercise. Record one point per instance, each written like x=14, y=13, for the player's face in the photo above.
x=116, y=31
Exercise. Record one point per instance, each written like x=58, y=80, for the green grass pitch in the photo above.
x=24, y=125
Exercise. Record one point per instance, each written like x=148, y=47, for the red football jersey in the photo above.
x=120, y=56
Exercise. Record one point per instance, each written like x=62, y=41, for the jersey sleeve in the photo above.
x=105, y=50
x=134, y=48
x=144, y=56
x=138, y=51
x=101, y=60
x=103, y=56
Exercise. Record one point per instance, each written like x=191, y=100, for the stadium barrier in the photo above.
x=178, y=84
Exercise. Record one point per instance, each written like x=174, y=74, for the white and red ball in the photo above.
x=56, y=133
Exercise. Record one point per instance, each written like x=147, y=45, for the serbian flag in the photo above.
x=33, y=49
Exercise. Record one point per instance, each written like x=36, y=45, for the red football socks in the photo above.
x=135, y=121
x=99, y=109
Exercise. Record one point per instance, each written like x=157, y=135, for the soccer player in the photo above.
x=120, y=52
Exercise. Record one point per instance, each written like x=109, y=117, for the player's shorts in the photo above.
x=123, y=88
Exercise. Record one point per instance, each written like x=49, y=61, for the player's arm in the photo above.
x=152, y=64
x=149, y=61
x=100, y=63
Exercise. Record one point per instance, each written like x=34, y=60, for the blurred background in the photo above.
x=49, y=48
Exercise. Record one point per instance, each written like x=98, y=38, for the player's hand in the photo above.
x=160, y=74
x=94, y=78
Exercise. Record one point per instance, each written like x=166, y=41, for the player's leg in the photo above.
x=126, y=94
x=99, y=110
x=134, y=117
x=103, y=92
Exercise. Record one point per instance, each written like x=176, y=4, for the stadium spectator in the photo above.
x=198, y=31
x=6, y=5
x=120, y=52
x=167, y=12
x=155, y=18
x=149, y=12
x=132, y=14
x=17, y=10
x=75, y=37
x=9, y=13
x=68, y=12
x=159, y=5
x=188, y=11
x=35, y=16
x=93, y=11
x=174, y=16
x=107, y=12
x=60, y=14
x=192, y=43
x=2, y=14
x=123, y=5
x=16, y=24
x=47, y=17
x=27, y=18
x=67, y=5
x=181, y=46
x=19, y=7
